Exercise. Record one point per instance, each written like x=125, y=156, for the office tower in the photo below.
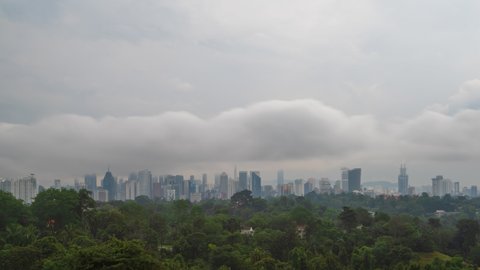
x=256, y=184
x=299, y=188
x=437, y=185
x=216, y=183
x=456, y=188
x=235, y=175
x=109, y=185
x=354, y=179
x=25, y=189
x=446, y=187
x=78, y=186
x=242, y=180
x=102, y=195
x=280, y=177
x=308, y=187
x=223, y=186
x=57, y=184
x=131, y=189
x=205, y=180
x=145, y=183
x=337, y=188
x=232, y=187
x=6, y=185
x=325, y=186
x=179, y=186
x=345, y=179
x=473, y=191
x=403, y=180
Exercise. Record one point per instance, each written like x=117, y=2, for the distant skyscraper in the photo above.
x=256, y=184
x=456, y=188
x=437, y=186
x=110, y=185
x=280, y=177
x=325, y=186
x=25, y=189
x=473, y=191
x=6, y=185
x=345, y=179
x=354, y=179
x=307, y=187
x=145, y=183
x=223, y=185
x=403, y=180
x=57, y=184
x=243, y=180
x=299, y=187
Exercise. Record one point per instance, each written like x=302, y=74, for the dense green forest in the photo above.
x=65, y=229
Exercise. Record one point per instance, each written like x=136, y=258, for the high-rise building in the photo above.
x=436, y=185
x=354, y=179
x=179, y=186
x=325, y=186
x=345, y=179
x=403, y=180
x=473, y=191
x=110, y=185
x=308, y=187
x=145, y=183
x=223, y=189
x=5, y=185
x=57, y=184
x=256, y=184
x=280, y=177
x=25, y=189
x=243, y=180
x=131, y=189
x=299, y=187
x=456, y=188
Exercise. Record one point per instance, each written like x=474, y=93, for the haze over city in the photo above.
x=187, y=87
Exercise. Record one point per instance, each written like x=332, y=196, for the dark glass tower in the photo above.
x=354, y=179
x=403, y=180
x=109, y=184
x=256, y=184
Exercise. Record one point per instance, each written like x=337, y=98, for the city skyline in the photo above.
x=195, y=87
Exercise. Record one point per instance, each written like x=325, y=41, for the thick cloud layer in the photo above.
x=273, y=132
x=268, y=131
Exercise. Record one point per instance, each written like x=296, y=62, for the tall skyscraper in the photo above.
x=25, y=189
x=299, y=187
x=354, y=179
x=403, y=180
x=57, y=184
x=473, y=191
x=437, y=185
x=223, y=185
x=242, y=180
x=179, y=186
x=456, y=188
x=5, y=185
x=345, y=179
x=110, y=185
x=280, y=177
x=256, y=184
x=145, y=183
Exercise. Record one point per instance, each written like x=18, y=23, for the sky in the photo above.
x=186, y=87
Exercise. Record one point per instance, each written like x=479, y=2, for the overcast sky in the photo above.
x=199, y=86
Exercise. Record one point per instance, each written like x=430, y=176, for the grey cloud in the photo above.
x=273, y=130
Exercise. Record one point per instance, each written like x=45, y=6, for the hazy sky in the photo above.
x=194, y=86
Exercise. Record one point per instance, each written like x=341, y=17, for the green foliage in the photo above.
x=312, y=232
x=12, y=211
